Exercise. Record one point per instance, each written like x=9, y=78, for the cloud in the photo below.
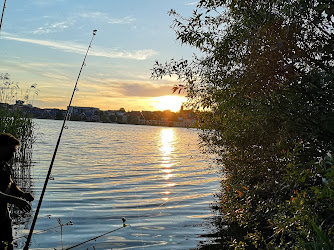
x=106, y=93
x=79, y=49
x=45, y=2
x=111, y=87
x=146, y=90
x=51, y=28
x=127, y=19
x=193, y=3
x=105, y=18
x=134, y=54
x=56, y=76
x=143, y=88
x=61, y=26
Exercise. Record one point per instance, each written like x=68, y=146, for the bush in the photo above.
x=265, y=79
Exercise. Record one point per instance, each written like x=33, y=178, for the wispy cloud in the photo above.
x=56, y=76
x=95, y=51
x=111, y=87
x=192, y=3
x=127, y=19
x=145, y=90
x=45, y=2
x=106, y=18
x=54, y=27
x=133, y=54
x=51, y=28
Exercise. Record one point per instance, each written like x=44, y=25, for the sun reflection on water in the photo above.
x=167, y=140
x=153, y=176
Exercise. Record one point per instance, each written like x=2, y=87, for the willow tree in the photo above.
x=264, y=77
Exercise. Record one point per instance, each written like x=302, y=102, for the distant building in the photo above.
x=186, y=123
x=88, y=112
x=53, y=113
x=185, y=118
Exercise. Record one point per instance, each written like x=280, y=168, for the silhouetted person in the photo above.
x=9, y=192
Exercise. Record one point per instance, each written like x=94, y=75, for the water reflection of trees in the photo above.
x=218, y=234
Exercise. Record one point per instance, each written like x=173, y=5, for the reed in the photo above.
x=14, y=121
x=20, y=125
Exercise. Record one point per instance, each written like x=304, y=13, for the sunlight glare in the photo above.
x=169, y=102
x=166, y=140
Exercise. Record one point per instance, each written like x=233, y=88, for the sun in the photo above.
x=169, y=102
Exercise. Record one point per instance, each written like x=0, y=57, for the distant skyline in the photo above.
x=43, y=42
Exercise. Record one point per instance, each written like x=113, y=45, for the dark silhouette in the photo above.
x=9, y=192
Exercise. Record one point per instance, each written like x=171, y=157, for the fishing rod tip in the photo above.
x=94, y=32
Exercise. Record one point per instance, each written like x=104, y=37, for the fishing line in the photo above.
x=77, y=245
x=150, y=214
x=141, y=232
x=26, y=247
x=160, y=206
x=45, y=230
x=147, y=215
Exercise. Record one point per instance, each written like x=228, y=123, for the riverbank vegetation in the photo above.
x=13, y=121
x=20, y=125
x=264, y=73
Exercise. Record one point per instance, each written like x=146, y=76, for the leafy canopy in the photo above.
x=264, y=76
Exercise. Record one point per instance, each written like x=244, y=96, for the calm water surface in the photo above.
x=155, y=177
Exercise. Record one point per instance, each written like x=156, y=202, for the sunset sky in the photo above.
x=43, y=42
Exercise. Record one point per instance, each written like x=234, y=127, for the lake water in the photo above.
x=155, y=177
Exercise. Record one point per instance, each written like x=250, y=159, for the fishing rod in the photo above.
x=82, y=243
x=3, y=11
x=70, y=223
x=26, y=247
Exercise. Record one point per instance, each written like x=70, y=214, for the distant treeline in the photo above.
x=183, y=118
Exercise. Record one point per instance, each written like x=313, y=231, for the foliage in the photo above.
x=265, y=76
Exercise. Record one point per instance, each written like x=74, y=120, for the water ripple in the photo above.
x=155, y=177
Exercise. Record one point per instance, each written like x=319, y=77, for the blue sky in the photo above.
x=44, y=42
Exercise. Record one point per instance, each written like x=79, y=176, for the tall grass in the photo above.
x=20, y=125
x=14, y=121
x=8, y=89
